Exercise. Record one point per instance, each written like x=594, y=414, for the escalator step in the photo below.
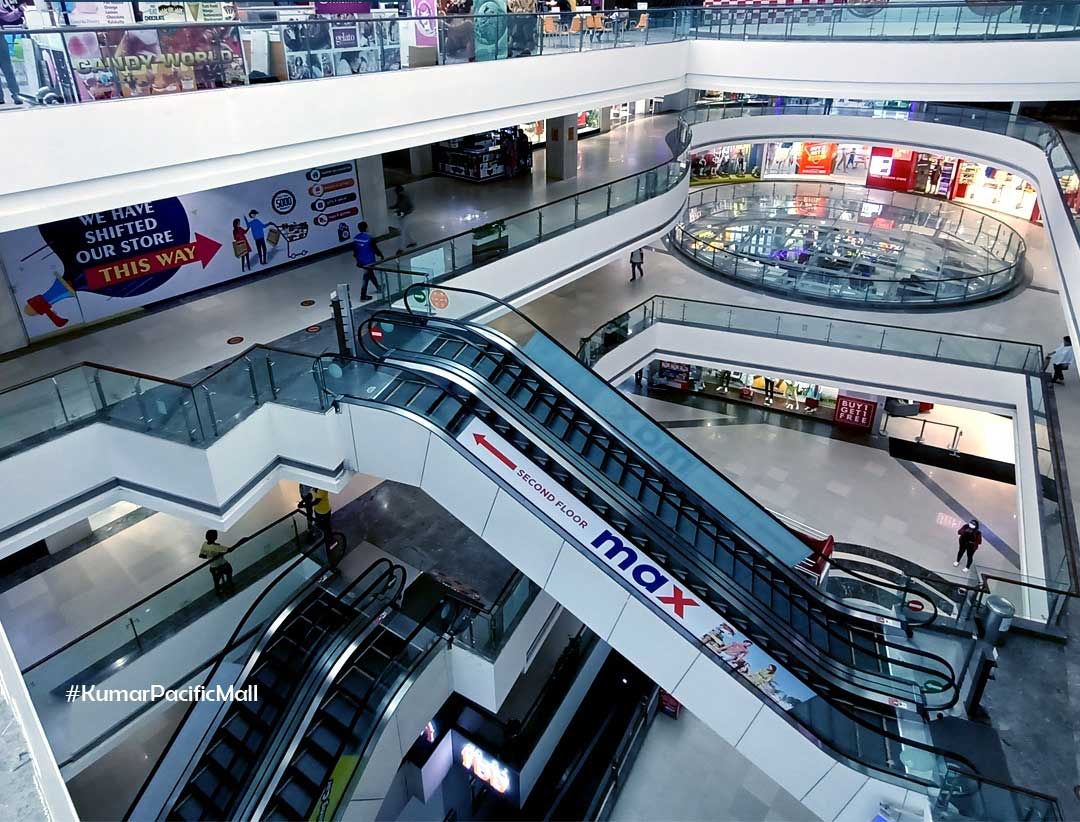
x=297, y=797
x=312, y=769
x=343, y=708
x=325, y=738
x=189, y=808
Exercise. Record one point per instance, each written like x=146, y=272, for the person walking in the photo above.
x=11, y=16
x=970, y=539
x=1061, y=359
x=220, y=569
x=637, y=263
x=403, y=207
x=258, y=233
x=366, y=251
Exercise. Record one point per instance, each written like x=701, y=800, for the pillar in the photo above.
x=369, y=173
x=68, y=536
x=677, y=101
x=561, y=148
x=421, y=163
x=605, y=119
x=1015, y=110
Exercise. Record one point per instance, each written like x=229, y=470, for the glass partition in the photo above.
x=813, y=240
x=72, y=65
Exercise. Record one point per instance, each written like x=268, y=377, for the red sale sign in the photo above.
x=857, y=413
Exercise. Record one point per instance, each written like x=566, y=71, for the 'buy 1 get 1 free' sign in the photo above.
x=561, y=508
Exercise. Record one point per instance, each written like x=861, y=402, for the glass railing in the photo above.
x=111, y=653
x=1039, y=600
x=722, y=231
x=967, y=798
x=489, y=629
x=481, y=246
x=80, y=65
x=982, y=352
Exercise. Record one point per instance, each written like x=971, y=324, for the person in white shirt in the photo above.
x=1061, y=359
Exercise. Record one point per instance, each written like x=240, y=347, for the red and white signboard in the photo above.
x=854, y=412
x=555, y=504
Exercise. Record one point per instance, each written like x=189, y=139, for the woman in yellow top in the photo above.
x=321, y=499
x=763, y=677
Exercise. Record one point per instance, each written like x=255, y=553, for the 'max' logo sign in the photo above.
x=564, y=510
x=555, y=504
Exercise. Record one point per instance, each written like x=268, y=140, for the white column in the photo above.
x=421, y=162
x=369, y=172
x=561, y=147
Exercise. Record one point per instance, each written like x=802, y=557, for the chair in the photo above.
x=642, y=23
x=550, y=25
x=575, y=25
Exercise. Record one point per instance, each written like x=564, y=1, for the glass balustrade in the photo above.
x=71, y=65
x=119, y=652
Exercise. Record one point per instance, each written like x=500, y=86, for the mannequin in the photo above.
x=791, y=395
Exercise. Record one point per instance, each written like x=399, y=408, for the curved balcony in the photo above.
x=847, y=244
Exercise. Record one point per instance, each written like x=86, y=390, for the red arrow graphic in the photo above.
x=201, y=250
x=482, y=441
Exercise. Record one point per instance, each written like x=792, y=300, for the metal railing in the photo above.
x=920, y=436
x=962, y=349
x=65, y=65
x=711, y=235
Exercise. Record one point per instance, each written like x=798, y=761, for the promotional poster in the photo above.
x=97, y=265
x=141, y=62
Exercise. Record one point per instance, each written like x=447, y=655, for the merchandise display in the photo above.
x=490, y=155
x=734, y=163
x=996, y=189
x=844, y=162
x=777, y=392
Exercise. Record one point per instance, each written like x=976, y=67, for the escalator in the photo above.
x=846, y=711
x=684, y=532
x=298, y=642
x=349, y=714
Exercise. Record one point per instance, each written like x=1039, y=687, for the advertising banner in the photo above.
x=338, y=48
x=816, y=158
x=110, y=14
x=94, y=266
x=890, y=168
x=458, y=44
x=622, y=555
x=141, y=62
x=490, y=29
x=425, y=32
x=322, y=9
x=854, y=412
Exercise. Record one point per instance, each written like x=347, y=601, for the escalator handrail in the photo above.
x=864, y=576
x=379, y=581
x=301, y=593
x=797, y=723
x=27, y=671
x=856, y=626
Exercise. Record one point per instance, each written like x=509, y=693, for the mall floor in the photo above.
x=684, y=771
x=268, y=308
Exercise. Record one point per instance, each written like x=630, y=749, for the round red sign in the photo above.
x=439, y=300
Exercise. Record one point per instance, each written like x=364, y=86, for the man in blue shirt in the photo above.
x=258, y=233
x=365, y=251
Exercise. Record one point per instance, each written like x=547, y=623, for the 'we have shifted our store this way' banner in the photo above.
x=98, y=265
x=555, y=504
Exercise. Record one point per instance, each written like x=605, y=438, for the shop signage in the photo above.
x=86, y=268
x=816, y=158
x=485, y=768
x=141, y=62
x=624, y=558
x=854, y=412
x=342, y=8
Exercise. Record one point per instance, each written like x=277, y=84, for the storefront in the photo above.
x=490, y=155
x=920, y=172
x=732, y=163
x=996, y=189
x=744, y=386
x=832, y=162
